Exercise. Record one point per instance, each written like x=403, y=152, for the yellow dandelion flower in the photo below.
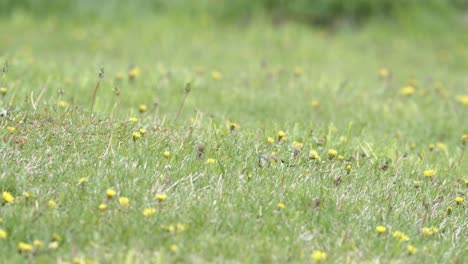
x=298, y=145
x=11, y=129
x=180, y=228
x=168, y=228
x=161, y=197
x=167, y=154
x=332, y=153
x=233, y=126
x=3, y=234
x=133, y=73
x=142, y=108
x=211, y=161
x=407, y=91
x=280, y=206
x=464, y=138
x=63, y=104
x=102, y=207
x=411, y=249
x=53, y=245
x=110, y=193
x=24, y=247
x=136, y=135
x=400, y=236
x=314, y=155
x=270, y=140
x=297, y=71
x=124, y=202
x=149, y=212
x=173, y=248
x=429, y=231
x=56, y=237
x=120, y=76
x=27, y=195
x=38, y=244
x=459, y=200
x=462, y=99
x=466, y=182
x=381, y=229
x=431, y=147
x=142, y=131
x=340, y=157
x=319, y=255
x=82, y=181
x=133, y=120
x=348, y=168
x=429, y=173
x=216, y=75
x=441, y=146
x=281, y=134
x=315, y=104
x=52, y=204
x=3, y=91
x=384, y=73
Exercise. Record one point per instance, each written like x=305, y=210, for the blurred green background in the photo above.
x=314, y=12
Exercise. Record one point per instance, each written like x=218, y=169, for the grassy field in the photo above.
x=233, y=143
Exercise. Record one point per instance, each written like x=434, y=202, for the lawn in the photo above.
x=231, y=142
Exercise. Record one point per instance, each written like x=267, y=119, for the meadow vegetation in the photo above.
x=174, y=137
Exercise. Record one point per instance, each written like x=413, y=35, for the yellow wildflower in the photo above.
x=3, y=234
x=315, y=104
x=56, y=237
x=11, y=129
x=24, y=247
x=136, y=135
x=332, y=153
x=431, y=147
x=38, y=244
x=314, y=155
x=429, y=173
x=462, y=99
x=110, y=193
x=407, y=91
x=441, y=146
x=281, y=135
x=133, y=119
x=411, y=249
x=429, y=231
x=82, y=181
x=381, y=229
x=211, y=161
x=297, y=71
x=52, y=204
x=27, y=195
x=3, y=91
x=142, y=131
x=149, y=212
x=298, y=145
x=133, y=73
x=459, y=200
x=216, y=75
x=449, y=210
x=63, y=104
x=270, y=140
x=124, y=202
x=161, y=197
x=53, y=245
x=400, y=236
x=167, y=154
x=348, y=168
x=319, y=255
x=142, y=108
x=173, y=248
x=102, y=207
x=180, y=228
x=384, y=73
x=464, y=138
x=233, y=126
x=280, y=206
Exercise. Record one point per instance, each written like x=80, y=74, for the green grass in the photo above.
x=229, y=208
